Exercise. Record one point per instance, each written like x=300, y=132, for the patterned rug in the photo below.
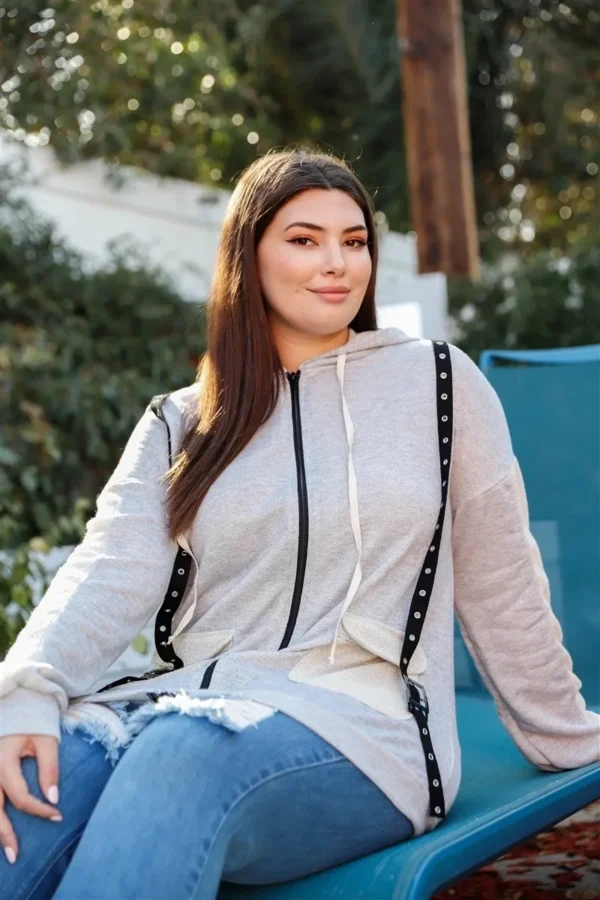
x=561, y=863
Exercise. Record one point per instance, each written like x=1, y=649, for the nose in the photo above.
x=334, y=258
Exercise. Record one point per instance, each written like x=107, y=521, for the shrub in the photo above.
x=81, y=354
x=543, y=303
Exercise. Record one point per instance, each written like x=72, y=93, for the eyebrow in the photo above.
x=320, y=228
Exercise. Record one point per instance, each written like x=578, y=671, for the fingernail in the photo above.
x=52, y=794
x=56, y=818
x=10, y=854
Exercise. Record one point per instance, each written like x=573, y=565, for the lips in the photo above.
x=330, y=290
x=333, y=295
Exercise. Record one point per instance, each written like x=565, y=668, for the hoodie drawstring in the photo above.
x=353, y=497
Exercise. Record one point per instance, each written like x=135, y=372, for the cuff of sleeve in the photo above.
x=24, y=711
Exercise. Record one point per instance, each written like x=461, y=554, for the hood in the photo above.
x=357, y=345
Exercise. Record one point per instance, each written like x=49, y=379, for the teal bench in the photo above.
x=552, y=403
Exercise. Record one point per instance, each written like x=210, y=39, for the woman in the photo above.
x=313, y=462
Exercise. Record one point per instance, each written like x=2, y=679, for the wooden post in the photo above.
x=438, y=144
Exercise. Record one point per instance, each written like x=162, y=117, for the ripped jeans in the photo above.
x=190, y=803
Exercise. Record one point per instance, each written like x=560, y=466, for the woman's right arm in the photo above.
x=101, y=598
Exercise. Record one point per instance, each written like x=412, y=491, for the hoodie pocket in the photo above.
x=383, y=640
x=365, y=668
x=198, y=646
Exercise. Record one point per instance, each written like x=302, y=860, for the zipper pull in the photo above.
x=293, y=376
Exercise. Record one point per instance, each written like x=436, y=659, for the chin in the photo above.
x=325, y=328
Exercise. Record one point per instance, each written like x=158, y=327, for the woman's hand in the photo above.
x=13, y=785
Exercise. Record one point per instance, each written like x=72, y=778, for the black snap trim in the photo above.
x=416, y=696
x=179, y=575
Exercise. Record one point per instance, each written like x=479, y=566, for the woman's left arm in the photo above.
x=502, y=594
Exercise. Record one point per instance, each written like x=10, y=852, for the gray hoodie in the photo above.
x=318, y=531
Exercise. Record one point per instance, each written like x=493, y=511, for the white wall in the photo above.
x=178, y=223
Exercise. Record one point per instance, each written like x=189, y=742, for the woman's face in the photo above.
x=293, y=260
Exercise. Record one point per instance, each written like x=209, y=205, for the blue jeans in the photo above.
x=190, y=803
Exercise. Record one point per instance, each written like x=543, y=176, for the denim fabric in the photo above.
x=190, y=803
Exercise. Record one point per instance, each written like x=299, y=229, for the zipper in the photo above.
x=294, y=378
x=208, y=674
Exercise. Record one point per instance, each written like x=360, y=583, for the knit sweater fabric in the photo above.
x=368, y=430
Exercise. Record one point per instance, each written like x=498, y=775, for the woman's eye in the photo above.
x=356, y=241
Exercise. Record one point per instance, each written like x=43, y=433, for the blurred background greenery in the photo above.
x=197, y=90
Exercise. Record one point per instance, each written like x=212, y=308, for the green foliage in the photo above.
x=543, y=303
x=534, y=107
x=81, y=354
x=16, y=592
x=198, y=89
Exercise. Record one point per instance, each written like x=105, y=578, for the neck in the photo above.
x=295, y=348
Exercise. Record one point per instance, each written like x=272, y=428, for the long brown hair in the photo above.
x=231, y=405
